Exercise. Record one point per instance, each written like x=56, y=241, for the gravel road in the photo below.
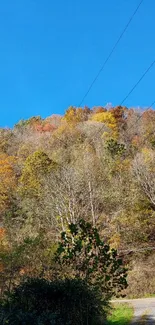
x=144, y=306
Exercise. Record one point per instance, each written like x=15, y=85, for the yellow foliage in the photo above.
x=105, y=117
x=36, y=165
x=7, y=179
x=65, y=134
x=147, y=154
x=75, y=115
x=24, y=151
x=115, y=241
x=108, y=119
x=148, y=157
x=122, y=165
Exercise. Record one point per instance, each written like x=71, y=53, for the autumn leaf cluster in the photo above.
x=96, y=164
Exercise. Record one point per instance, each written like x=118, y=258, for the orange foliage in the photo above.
x=148, y=122
x=148, y=115
x=119, y=114
x=136, y=140
x=98, y=109
x=2, y=233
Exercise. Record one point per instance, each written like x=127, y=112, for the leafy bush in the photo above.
x=115, y=148
x=41, y=302
x=91, y=259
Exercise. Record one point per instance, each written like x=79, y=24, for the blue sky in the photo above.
x=51, y=50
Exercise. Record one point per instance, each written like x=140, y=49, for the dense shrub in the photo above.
x=41, y=302
x=91, y=259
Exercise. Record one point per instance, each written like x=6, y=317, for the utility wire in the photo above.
x=132, y=89
x=150, y=106
x=140, y=116
x=137, y=83
x=111, y=52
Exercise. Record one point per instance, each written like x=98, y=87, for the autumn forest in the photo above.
x=93, y=164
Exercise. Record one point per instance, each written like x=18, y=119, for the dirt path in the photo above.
x=144, y=310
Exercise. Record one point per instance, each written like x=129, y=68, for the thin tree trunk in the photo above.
x=91, y=203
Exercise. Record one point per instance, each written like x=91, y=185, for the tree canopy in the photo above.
x=93, y=164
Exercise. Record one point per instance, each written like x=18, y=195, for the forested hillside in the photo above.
x=97, y=164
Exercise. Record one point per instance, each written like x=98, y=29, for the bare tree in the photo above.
x=144, y=171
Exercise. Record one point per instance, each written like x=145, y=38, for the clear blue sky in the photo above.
x=51, y=50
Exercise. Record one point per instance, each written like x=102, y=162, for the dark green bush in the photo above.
x=41, y=302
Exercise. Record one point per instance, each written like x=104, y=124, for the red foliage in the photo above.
x=47, y=127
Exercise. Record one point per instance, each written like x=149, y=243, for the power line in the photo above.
x=150, y=106
x=140, y=116
x=111, y=52
x=137, y=83
x=132, y=89
x=103, y=126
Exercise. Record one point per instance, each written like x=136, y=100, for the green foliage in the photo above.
x=122, y=314
x=115, y=148
x=32, y=257
x=36, y=166
x=38, y=162
x=41, y=302
x=30, y=121
x=91, y=259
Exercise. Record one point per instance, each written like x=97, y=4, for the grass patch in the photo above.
x=122, y=314
x=151, y=295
